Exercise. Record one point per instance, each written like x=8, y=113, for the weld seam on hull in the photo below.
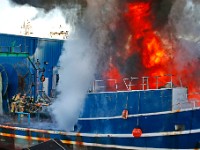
x=139, y=115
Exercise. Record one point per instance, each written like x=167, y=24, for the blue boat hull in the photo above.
x=158, y=132
x=156, y=112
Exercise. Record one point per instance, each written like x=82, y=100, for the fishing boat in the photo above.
x=142, y=115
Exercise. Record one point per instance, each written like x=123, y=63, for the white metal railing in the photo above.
x=129, y=82
x=101, y=85
x=145, y=84
x=133, y=83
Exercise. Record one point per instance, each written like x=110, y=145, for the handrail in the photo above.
x=100, y=85
x=13, y=49
x=135, y=83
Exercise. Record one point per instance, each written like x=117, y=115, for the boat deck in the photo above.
x=37, y=121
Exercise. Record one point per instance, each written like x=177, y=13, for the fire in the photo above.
x=137, y=15
x=153, y=53
x=112, y=73
x=141, y=39
x=144, y=40
x=139, y=18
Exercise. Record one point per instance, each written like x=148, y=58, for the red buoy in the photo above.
x=137, y=132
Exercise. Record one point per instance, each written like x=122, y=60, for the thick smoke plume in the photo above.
x=184, y=22
x=79, y=60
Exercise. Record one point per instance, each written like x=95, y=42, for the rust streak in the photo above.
x=79, y=139
x=29, y=137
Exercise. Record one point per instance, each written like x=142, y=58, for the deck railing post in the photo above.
x=23, y=113
x=145, y=81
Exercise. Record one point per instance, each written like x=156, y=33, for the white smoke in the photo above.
x=81, y=50
x=79, y=60
x=77, y=71
x=185, y=21
x=13, y=17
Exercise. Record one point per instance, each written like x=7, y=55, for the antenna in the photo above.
x=26, y=28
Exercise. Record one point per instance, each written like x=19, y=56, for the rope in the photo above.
x=59, y=144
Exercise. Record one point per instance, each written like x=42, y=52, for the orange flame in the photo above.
x=112, y=73
x=153, y=53
x=145, y=41
x=139, y=18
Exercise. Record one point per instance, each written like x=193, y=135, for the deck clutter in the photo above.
x=22, y=103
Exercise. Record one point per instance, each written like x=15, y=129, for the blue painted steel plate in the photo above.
x=4, y=79
x=13, y=79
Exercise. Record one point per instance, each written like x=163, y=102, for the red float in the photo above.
x=137, y=132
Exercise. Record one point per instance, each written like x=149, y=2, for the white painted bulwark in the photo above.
x=179, y=98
